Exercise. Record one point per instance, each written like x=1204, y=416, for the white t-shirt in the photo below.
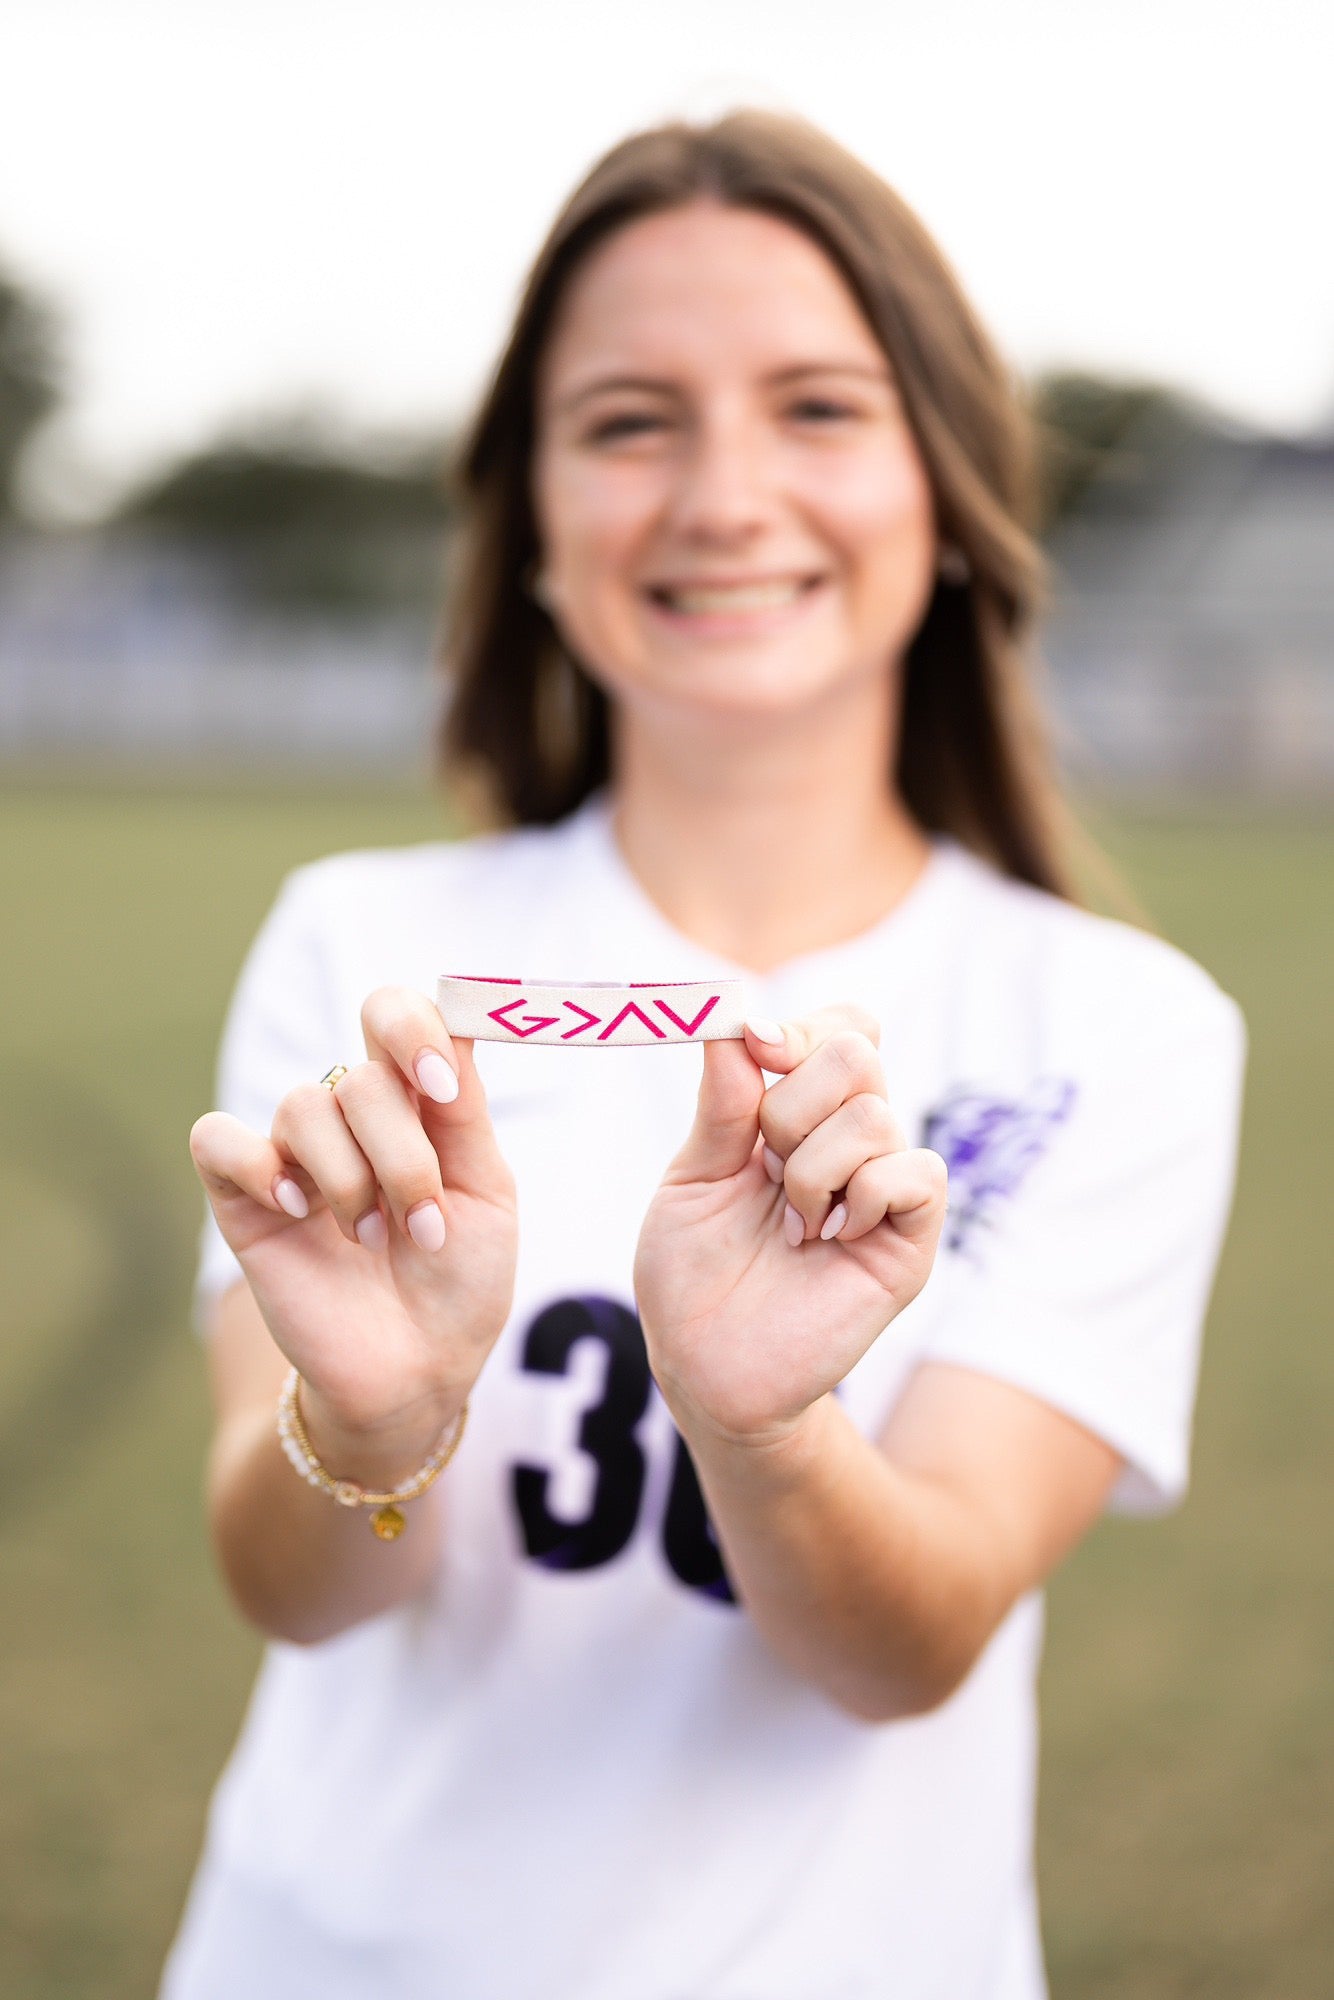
x=573, y=1771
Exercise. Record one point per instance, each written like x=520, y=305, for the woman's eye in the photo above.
x=821, y=410
x=626, y=424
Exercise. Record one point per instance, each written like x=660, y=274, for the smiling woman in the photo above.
x=840, y=329
x=704, y=1664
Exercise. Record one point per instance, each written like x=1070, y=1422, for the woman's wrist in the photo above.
x=381, y=1454
x=783, y=1445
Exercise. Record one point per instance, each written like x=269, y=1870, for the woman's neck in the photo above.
x=765, y=841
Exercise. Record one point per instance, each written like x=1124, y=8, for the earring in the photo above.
x=952, y=565
x=536, y=584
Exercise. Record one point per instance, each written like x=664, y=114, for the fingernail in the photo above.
x=765, y=1030
x=426, y=1227
x=372, y=1230
x=834, y=1221
x=290, y=1199
x=794, y=1228
x=773, y=1165
x=436, y=1078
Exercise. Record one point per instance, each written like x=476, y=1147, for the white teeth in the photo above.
x=737, y=597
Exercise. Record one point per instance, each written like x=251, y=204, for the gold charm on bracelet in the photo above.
x=388, y=1519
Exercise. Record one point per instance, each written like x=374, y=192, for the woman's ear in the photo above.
x=952, y=565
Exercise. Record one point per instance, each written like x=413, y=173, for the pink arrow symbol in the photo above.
x=688, y=1027
x=589, y=1020
x=632, y=1007
x=536, y=1021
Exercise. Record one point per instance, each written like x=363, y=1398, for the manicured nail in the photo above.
x=435, y=1076
x=426, y=1226
x=765, y=1030
x=773, y=1165
x=834, y=1221
x=372, y=1230
x=290, y=1199
x=794, y=1228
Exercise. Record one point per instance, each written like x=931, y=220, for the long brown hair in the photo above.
x=972, y=759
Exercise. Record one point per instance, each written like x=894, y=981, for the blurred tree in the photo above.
x=30, y=378
x=1123, y=438
x=305, y=523
x=239, y=490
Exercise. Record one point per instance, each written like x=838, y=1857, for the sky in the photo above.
x=247, y=209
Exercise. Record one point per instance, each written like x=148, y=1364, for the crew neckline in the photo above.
x=889, y=935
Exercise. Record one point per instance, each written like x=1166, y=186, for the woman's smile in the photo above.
x=738, y=608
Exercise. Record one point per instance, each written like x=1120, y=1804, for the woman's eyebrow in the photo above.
x=867, y=371
x=602, y=385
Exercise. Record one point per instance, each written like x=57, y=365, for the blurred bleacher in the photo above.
x=1191, y=644
x=1192, y=640
x=119, y=649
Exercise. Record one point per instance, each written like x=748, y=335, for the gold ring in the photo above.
x=336, y=1075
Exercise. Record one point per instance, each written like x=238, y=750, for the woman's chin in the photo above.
x=752, y=690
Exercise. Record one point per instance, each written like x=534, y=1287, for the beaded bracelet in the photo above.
x=388, y=1520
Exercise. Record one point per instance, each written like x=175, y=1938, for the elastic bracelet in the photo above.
x=388, y=1520
x=596, y=1014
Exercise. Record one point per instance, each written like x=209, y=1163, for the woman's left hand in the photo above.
x=789, y=1230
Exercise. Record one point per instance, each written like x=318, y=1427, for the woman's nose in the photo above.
x=725, y=490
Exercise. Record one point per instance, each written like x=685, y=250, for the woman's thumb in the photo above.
x=727, y=1116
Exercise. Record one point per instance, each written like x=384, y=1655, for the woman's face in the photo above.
x=732, y=509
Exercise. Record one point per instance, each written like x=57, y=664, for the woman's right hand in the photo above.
x=376, y=1226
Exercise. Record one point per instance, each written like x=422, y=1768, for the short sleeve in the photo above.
x=1088, y=1281
x=280, y=1030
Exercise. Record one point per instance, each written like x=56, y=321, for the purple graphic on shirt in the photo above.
x=990, y=1144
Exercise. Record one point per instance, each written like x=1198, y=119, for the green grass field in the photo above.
x=1187, y=1826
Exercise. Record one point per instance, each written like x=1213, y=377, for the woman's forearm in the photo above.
x=869, y=1581
x=299, y=1566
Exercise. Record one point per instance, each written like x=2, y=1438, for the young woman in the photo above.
x=704, y=1669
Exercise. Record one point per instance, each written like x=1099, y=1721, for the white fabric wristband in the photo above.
x=593, y=1014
